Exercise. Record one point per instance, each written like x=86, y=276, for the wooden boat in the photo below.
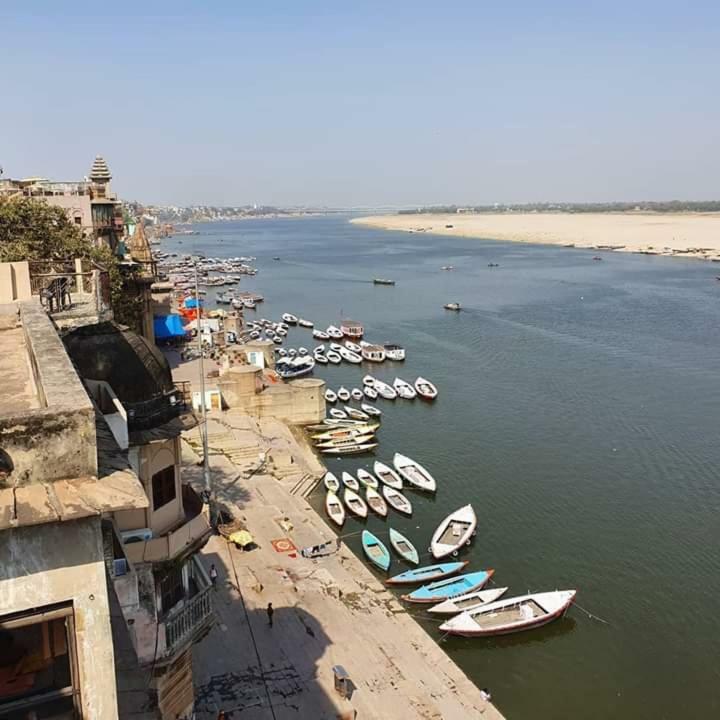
x=339, y=414
x=320, y=335
x=385, y=390
x=353, y=347
x=511, y=614
x=383, y=281
x=335, y=347
x=354, y=503
x=351, y=329
x=370, y=392
x=350, y=449
x=339, y=433
x=375, y=502
x=350, y=481
x=452, y=306
x=397, y=500
x=356, y=394
x=404, y=389
x=289, y=319
x=349, y=356
x=343, y=394
x=334, y=508
x=332, y=484
x=330, y=396
x=428, y=573
x=319, y=349
x=375, y=550
x=373, y=353
x=370, y=410
x=367, y=478
x=295, y=368
x=469, y=601
x=414, y=472
x=302, y=351
x=333, y=357
x=356, y=414
x=450, y=587
x=453, y=532
x=345, y=442
x=403, y=547
x=394, y=351
x=425, y=389
x=368, y=381
x=334, y=332
x=320, y=358
x=387, y=475
x=304, y=323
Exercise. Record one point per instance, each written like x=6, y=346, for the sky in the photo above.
x=366, y=104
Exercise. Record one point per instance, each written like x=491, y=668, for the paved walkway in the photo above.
x=328, y=611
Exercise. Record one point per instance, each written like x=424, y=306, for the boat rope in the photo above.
x=589, y=614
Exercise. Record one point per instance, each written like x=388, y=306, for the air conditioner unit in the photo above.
x=141, y=535
x=120, y=567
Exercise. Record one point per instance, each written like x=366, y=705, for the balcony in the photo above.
x=189, y=622
x=186, y=538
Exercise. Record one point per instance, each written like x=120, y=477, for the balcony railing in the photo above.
x=189, y=621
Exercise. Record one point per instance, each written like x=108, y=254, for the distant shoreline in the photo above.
x=686, y=234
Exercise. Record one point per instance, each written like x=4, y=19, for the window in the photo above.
x=163, y=487
x=78, y=220
x=38, y=675
x=172, y=589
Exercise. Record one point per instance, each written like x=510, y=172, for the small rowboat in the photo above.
x=349, y=356
x=403, y=547
x=404, y=389
x=511, y=614
x=338, y=414
x=356, y=394
x=320, y=358
x=334, y=509
x=397, y=500
x=330, y=396
x=356, y=414
x=375, y=502
x=429, y=572
x=370, y=410
x=335, y=347
x=350, y=481
x=370, y=392
x=450, y=587
x=354, y=503
x=320, y=335
x=304, y=323
x=345, y=433
x=353, y=347
x=334, y=332
x=343, y=394
x=368, y=381
x=289, y=319
x=367, y=479
x=332, y=484
x=384, y=390
x=453, y=532
x=453, y=306
x=302, y=351
x=387, y=475
x=350, y=449
x=414, y=472
x=425, y=389
x=467, y=602
x=375, y=550
x=344, y=442
x=333, y=357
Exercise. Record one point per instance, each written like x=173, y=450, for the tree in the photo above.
x=33, y=230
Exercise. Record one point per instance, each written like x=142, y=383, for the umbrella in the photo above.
x=241, y=538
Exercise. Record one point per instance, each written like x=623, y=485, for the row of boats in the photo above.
x=373, y=388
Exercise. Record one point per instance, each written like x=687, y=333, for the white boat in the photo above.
x=397, y=500
x=282, y=352
x=350, y=450
x=319, y=349
x=404, y=389
x=375, y=501
x=356, y=414
x=334, y=332
x=334, y=508
x=304, y=323
x=338, y=433
x=302, y=351
x=319, y=357
x=289, y=319
x=370, y=410
x=320, y=335
x=384, y=390
x=414, y=472
x=367, y=478
x=330, y=396
x=333, y=357
x=352, y=329
x=338, y=414
x=353, y=347
x=335, y=347
x=292, y=352
x=356, y=394
x=249, y=304
x=332, y=484
x=370, y=392
x=425, y=389
x=394, y=352
x=281, y=332
x=237, y=303
x=373, y=353
x=511, y=614
x=354, y=503
x=350, y=481
x=343, y=394
x=349, y=356
x=345, y=441
x=368, y=381
x=467, y=602
x=453, y=306
x=455, y=531
x=277, y=340
x=296, y=367
x=387, y=475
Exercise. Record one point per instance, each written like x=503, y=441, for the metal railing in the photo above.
x=181, y=627
x=57, y=281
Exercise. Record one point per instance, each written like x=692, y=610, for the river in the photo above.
x=578, y=411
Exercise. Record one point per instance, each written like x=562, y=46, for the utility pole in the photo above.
x=198, y=318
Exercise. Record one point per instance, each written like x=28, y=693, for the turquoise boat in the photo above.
x=429, y=572
x=403, y=547
x=375, y=550
x=449, y=588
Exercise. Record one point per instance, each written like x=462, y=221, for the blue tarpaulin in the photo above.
x=168, y=326
x=191, y=302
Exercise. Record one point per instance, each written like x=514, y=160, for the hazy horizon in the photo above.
x=372, y=106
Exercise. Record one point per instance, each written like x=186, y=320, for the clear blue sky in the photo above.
x=366, y=103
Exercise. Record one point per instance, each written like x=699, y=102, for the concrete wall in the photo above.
x=14, y=282
x=75, y=206
x=62, y=563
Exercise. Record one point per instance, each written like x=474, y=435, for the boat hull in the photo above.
x=444, y=590
x=429, y=573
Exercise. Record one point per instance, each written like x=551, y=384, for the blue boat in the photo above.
x=375, y=550
x=449, y=588
x=429, y=572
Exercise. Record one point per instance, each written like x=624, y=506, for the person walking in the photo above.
x=213, y=575
x=270, y=612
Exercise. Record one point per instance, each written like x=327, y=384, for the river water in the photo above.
x=578, y=411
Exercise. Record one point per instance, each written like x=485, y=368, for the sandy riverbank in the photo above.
x=678, y=234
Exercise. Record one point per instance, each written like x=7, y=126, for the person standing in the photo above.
x=270, y=612
x=213, y=575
